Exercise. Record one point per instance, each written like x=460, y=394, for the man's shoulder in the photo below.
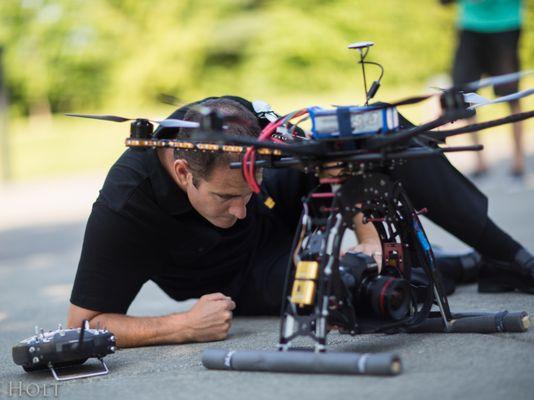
x=127, y=176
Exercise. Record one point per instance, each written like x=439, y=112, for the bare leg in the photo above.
x=518, y=163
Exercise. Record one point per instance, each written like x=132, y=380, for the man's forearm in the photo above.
x=366, y=233
x=145, y=331
x=368, y=239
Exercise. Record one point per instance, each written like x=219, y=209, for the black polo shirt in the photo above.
x=142, y=227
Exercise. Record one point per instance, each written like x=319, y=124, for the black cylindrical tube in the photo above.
x=302, y=361
x=477, y=323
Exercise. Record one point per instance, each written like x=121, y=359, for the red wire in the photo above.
x=249, y=158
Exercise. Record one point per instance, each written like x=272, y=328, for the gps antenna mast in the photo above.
x=363, y=49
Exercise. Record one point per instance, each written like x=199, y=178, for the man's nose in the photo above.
x=238, y=208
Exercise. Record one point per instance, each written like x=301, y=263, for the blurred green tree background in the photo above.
x=120, y=56
x=62, y=55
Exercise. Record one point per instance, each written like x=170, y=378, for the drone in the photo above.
x=352, y=151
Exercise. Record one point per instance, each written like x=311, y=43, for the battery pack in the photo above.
x=352, y=121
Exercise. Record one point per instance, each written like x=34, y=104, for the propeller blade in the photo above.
x=169, y=99
x=177, y=123
x=166, y=123
x=113, y=118
x=475, y=99
x=412, y=100
x=503, y=99
x=471, y=87
x=404, y=102
x=494, y=80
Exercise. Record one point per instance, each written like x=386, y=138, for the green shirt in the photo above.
x=488, y=16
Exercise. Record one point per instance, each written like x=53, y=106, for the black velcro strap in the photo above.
x=343, y=120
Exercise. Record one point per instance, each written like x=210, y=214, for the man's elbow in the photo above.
x=77, y=315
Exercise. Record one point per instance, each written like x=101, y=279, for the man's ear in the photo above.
x=182, y=172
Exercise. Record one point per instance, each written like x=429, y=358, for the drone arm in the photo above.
x=442, y=135
x=456, y=149
x=407, y=134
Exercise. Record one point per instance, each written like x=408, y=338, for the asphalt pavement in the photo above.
x=38, y=264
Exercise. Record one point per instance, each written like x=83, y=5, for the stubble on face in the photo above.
x=222, y=198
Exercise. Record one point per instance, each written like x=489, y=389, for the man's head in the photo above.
x=218, y=193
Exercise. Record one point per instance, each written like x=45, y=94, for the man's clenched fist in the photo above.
x=210, y=318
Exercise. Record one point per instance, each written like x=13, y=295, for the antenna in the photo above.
x=363, y=49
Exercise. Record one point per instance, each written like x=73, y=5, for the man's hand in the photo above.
x=369, y=241
x=332, y=171
x=210, y=318
x=372, y=248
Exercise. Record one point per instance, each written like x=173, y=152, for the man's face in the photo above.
x=222, y=199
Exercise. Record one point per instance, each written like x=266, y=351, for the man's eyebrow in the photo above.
x=228, y=195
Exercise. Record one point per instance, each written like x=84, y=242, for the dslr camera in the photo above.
x=381, y=295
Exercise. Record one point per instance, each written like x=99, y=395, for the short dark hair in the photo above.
x=202, y=163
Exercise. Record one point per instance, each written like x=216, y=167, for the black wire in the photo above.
x=379, y=66
x=362, y=62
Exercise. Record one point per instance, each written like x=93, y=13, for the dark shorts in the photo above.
x=487, y=54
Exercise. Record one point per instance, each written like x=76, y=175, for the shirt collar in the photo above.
x=168, y=194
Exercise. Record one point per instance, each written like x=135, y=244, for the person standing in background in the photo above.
x=488, y=38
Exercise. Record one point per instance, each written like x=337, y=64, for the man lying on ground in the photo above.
x=189, y=223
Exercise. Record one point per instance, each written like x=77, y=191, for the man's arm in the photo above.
x=368, y=239
x=365, y=232
x=209, y=319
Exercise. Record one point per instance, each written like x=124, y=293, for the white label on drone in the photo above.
x=361, y=122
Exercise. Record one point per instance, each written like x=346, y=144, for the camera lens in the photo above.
x=396, y=300
x=389, y=297
x=380, y=295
